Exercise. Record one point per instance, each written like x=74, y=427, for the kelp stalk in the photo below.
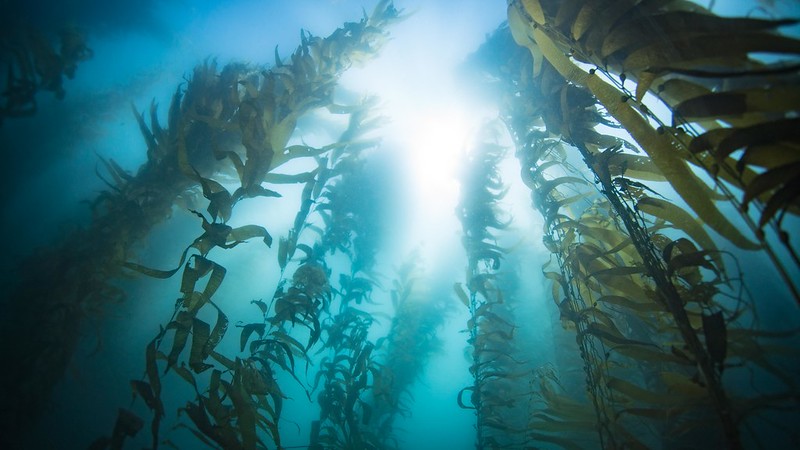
x=670, y=297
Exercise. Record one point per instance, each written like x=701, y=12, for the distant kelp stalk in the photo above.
x=491, y=326
x=34, y=64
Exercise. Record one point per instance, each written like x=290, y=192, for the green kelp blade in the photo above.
x=705, y=48
x=193, y=272
x=261, y=306
x=152, y=146
x=681, y=220
x=151, y=365
x=665, y=414
x=283, y=252
x=145, y=391
x=683, y=387
x=243, y=233
x=247, y=330
x=646, y=306
x=198, y=434
x=627, y=35
x=612, y=336
x=182, y=324
x=642, y=353
x=639, y=167
x=737, y=103
x=197, y=355
x=217, y=333
x=127, y=425
x=458, y=288
x=460, y=398
x=560, y=441
x=225, y=437
x=660, y=147
x=316, y=332
x=283, y=178
x=224, y=360
x=155, y=273
x=755, y=135
x=785, y=197
x=220, y=200
x=771, y=179
x=214, y=281
x=715, y=332
x=245, y=411
x=535, y=10
x=548, y=186
x=273, y=355
x=637, y=393
x=563, y=426
x=285, y=338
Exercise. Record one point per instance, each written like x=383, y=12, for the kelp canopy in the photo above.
x=656, y=141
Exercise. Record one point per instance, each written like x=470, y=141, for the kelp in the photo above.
x=36, y=63
x=81, y=265
x=604, y=267
x=411, y=342
x=643, y=284
x=753, y=115
x=252, y=398
x=495, y=364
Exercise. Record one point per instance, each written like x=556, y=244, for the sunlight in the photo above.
x=431, y=119
x=436, y=142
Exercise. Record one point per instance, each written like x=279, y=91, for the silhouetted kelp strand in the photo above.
x=93, y=256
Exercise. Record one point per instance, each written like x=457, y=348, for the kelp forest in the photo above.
x=650, y=302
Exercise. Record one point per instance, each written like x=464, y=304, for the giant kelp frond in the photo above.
x=736, y=109
x=260, y=111
x=607, y=264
